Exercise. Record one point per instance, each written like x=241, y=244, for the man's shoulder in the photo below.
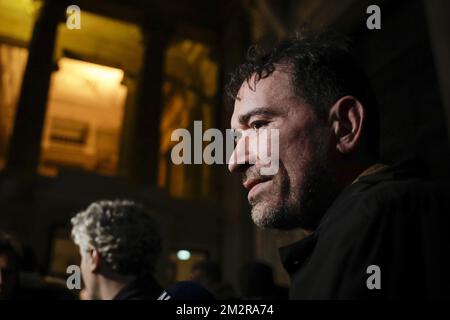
x=397, y=193
x=393, y=195
x=397, y=220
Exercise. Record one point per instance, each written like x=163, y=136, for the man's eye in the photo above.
x=258, y=124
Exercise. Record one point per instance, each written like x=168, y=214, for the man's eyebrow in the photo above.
x=243, y=118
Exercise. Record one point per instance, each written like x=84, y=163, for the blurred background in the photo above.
x=87, y=114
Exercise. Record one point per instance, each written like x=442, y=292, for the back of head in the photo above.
x=124, y=234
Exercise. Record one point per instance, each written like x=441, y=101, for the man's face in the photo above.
x=8, y=276
x=89, y=278
x=295, y=195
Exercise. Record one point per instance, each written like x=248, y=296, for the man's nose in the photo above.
x=242, y=156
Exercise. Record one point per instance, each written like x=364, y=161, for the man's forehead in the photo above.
x=266, y=87
x=266, y=93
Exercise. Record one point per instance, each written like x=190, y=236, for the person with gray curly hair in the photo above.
x=119, y=245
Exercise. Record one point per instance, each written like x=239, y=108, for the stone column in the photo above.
x=25, y=144
x=143, y=158
x=18, y=180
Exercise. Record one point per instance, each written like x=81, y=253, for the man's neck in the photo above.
x=109, y=288
x=352, y=171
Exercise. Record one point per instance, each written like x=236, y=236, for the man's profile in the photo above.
x=330, y=181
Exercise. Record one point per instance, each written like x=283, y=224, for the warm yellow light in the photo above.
x=92, y=72
x=84, y=116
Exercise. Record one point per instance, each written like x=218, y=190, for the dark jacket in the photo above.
x=396, y=220
x=145, y=288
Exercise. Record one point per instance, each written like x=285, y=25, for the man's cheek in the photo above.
x=267, y=150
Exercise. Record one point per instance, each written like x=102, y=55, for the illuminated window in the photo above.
x=84, y=118
x=189, y=93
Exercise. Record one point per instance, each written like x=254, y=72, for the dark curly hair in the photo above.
x=322, y=69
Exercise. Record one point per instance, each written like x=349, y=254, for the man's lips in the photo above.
x=253, y=184
x=250, y=183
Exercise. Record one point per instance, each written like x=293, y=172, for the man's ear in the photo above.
x=96, y=261
x=346, y=118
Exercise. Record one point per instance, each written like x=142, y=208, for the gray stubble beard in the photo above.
x=317, y=191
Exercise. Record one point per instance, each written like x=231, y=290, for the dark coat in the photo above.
x=140, y=289
x=395, y=219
